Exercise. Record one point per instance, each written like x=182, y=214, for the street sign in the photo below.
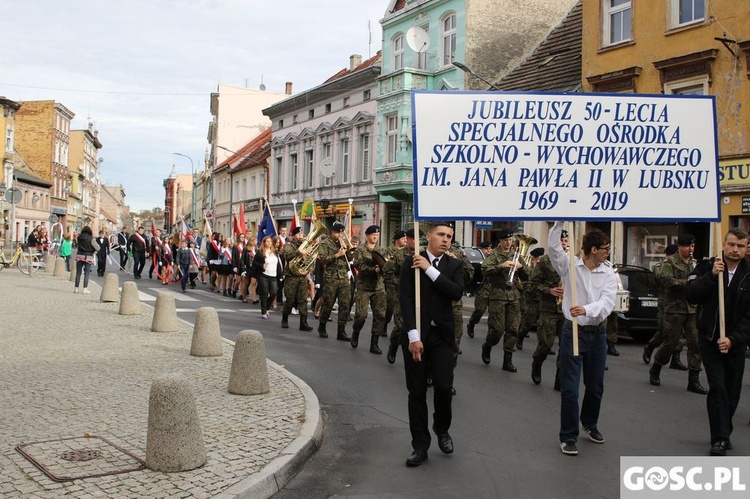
x=52, y=219
x=209, y=214
x=483, y=224
x=13, y=195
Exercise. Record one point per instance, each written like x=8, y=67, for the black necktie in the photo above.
x=435, y=262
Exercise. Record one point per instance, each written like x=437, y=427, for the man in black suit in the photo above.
x=122, y=242
x=101, y=255
x=428, y=352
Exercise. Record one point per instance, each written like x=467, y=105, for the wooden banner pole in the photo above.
x=573, y=295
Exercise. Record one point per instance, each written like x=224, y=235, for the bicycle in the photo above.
x=21, y=260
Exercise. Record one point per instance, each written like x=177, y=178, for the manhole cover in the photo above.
x=79, y=457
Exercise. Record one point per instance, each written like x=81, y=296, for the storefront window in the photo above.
x=741, y=222
x=646, y=244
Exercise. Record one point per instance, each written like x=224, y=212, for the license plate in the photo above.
x=649, y=303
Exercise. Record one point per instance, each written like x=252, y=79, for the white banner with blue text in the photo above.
x=544, y=156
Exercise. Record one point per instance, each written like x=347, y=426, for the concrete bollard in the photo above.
x=130, y=303
x=49, y=263
x=165, y=314
x=59, y=270
x=206, y=334
x=174, y=441
x=249, y=374
x=111, y=288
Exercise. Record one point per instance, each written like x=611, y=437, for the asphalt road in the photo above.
x=505, y=428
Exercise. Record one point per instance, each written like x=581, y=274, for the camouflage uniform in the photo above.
x=370, y=290
x=390, y=279
x=504, y=302
x=658, y=338
x=337, y=282
x=391, y=272
x=458, y=307
x=529, y=308
x=678, y=315
x=295, y=286
x=544, y=278
x=481, y=299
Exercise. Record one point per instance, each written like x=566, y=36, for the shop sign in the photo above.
x=745, y=205
x=734, y=172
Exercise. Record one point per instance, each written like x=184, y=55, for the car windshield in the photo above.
x=638, y=282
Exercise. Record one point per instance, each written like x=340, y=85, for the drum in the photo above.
x=622, y=301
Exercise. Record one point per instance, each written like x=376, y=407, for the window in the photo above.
x=364, y=155
x=243, y=188
x=295, y=119
x=311, y=114
x=293, y=171
x=449, y=40
x=366, y=95
x=326, y=156
x=398, y=52
x=328, y=108
x=253, y=186
x=391, y=138
x=277, y=172
x=281, y=124
x=9, y=138
x=693, y=86
x=618, y=20
x=346, y=101
x=345, y=161
x=687, y=11
x=309, y=168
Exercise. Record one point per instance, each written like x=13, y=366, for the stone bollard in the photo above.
x=249, y=374
x=206, y=334
x=59, y=270
x=165, y=314
x=130, y=303
x=174, y=441
x=49, y=263
x=111, y=288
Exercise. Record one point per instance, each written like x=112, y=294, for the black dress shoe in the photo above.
x=445, y=442
x=392, y=351
x=417, y=457
x=719, y=449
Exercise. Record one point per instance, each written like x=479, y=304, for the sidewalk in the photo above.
x=70, y=366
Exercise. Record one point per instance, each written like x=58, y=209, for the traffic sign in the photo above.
x=13, y=195
x=483, y=224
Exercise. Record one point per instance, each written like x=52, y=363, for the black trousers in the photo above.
x=437, y=363
x=123, y=258
x=724, y=373
x=139, y=261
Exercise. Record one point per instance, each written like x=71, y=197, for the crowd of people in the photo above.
x=519, y=290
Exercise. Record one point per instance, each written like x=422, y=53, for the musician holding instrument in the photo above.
x=334, y=256
x=369, y=259
x=500, y=266
x=295, y=281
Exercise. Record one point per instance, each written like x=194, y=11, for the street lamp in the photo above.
x=192, y=191
x=466, y=69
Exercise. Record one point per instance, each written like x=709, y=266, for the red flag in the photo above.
x=235, y=225
x=153, y=229
x=185, y=230
x=295, y=221
x=243, y=225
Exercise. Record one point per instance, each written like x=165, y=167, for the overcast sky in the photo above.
x=143, y=70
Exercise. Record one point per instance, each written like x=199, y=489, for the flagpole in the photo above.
x=349, y=225
x=294, y=215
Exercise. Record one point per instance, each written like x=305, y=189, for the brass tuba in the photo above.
x=524, y=243
x=303, y=265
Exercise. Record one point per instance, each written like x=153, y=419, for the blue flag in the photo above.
x=267, y=226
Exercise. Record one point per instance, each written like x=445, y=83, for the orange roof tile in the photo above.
x=365, y=64
x=248, y=149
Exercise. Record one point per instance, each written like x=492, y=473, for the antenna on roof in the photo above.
x=369, y=39
x=262, y=86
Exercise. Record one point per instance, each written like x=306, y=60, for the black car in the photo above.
x=639, y=321
x=475, y=256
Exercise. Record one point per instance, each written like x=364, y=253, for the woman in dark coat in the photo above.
x=84, y=259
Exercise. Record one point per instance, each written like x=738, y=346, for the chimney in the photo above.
x=288, y=88
x=354, y=61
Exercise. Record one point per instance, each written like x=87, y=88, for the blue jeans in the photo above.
x=184, y=272
x=592, y=355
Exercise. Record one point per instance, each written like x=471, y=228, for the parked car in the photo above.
x=639, y=321
x=475, y=256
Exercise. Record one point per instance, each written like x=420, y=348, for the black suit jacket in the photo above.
x=436, y=298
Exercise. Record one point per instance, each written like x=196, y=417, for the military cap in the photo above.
x=410, y=233
x=399, y=234
x=444, y=223
x=670, y=250
x=685, y=240
x=372, y=229
x=537, y=252
x=505, y=234
x=563, y=234
x=337, y=226
x=296, y=230
x=485, y=244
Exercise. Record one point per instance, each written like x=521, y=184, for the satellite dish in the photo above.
x=417, y=39
x=326, y=167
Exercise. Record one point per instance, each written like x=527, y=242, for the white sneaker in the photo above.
x=295, y=311
x=86, y=291
x=75, y=290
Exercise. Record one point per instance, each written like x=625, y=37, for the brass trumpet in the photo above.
x=524, y=243
x=303, y=265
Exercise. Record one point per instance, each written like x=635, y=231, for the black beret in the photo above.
x=410, y=233
x=505, y=234
x=485, y=244
x=537, y=252
x=685, y=240
x=372, y=229
x=399, y=234
x=296, y=230
x=337, y=227
x=670, y=250
x=563, y=234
